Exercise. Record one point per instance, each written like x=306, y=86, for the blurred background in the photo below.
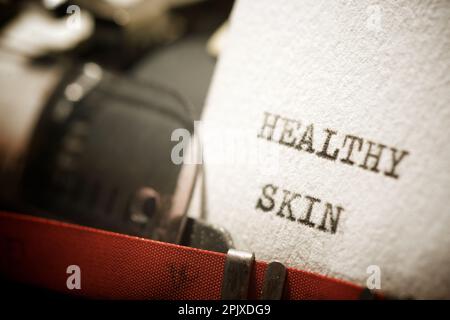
x=160, y=40
x=90, y=94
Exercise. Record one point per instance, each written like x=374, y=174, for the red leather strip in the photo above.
x=38, y=251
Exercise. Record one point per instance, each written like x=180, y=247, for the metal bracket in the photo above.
x=236, y=277
x=237, y=272
x=274, y=279
x=201, y=235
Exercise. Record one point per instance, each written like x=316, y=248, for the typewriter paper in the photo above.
x=326, y=139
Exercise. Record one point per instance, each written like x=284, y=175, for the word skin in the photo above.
x=272, y=200
x=352, y=150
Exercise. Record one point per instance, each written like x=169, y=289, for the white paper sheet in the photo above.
x=376, y=70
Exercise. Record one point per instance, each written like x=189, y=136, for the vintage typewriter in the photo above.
x=92, y=92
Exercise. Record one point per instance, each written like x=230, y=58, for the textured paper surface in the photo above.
x=377, y=70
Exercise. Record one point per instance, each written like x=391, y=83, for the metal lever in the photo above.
x=236, y=278
x=237, y=272
x=274, y=279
